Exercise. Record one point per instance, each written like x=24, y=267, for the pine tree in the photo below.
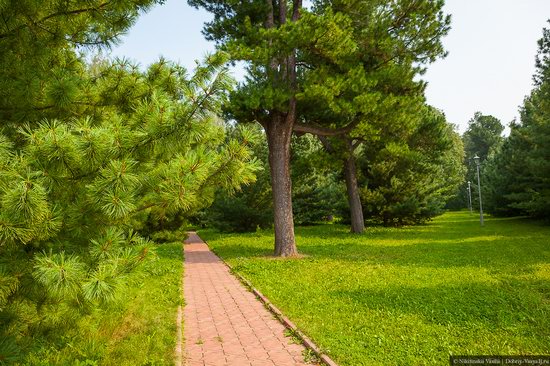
x=304, y=59
x=505, y=176
x=74, y=192
x=379, y=86
x=247, y=209
x=90, y=152
x=40, y=69
x=410, y=174
x=518, y=173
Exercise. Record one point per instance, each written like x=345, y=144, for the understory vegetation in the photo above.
x=138, y=328
x=408, y=296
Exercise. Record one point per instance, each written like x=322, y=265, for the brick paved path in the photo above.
x=224, y=324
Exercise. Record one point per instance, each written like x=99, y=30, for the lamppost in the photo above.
x=470, y=196
x=476, y=159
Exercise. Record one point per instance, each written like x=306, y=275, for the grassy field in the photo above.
x=139, y=329
x=409, y=296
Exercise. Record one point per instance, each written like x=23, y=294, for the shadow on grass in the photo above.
x=456, y=241
x=508, y=306
x=170, y=251
x=519, y=254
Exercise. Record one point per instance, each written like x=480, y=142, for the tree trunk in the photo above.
x=279, y=131
x=354, y=199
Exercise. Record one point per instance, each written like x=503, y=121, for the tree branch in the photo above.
x=324, y=131
x=57, y=14
x=326, y=144
x=144, y=207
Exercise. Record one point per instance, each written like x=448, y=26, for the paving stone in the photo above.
x=224, y=323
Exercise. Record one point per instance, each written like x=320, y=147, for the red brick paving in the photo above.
x=224, y=324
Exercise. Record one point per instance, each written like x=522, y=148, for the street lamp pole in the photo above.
x=476, y=159
x=470, y=197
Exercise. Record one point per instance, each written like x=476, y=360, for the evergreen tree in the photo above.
x=518, y=174
x=317, y=190
x=312, y=59
x=410, y=176
x=247, y=209
x=40, y=72
x=74, y=192
x=395, y=43
x=89, y=153
x=484, y=134
x=505, y=175
x=482, y=138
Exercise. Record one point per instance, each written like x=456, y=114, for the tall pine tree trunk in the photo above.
x=279, y=132
x=354, y=199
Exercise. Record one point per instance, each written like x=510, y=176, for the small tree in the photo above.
x=409, y=176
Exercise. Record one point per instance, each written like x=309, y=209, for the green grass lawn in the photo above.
x=409, y=296
x=138, y=329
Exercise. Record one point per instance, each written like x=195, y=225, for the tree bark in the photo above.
x=279, y=132
x=354, y=199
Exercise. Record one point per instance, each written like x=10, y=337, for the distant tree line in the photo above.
x=515, y=169
x=517, y=172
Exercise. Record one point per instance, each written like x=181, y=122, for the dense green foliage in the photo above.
x=138, y=328
x=90, y=155
x=246, y=209
x=406, y=176
x=317, y=193
x=328, y=68
x=74, y=192
x=40, y=73
x=408, y=296
x=395, y=42
x=372, y=77
x=482, y=138
x=410, y=174
x=517, y=176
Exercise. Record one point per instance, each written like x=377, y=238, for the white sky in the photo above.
x=492, y=47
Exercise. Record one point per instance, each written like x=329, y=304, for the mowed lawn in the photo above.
x=408, y=296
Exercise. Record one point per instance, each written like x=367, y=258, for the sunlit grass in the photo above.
x=408, y=296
